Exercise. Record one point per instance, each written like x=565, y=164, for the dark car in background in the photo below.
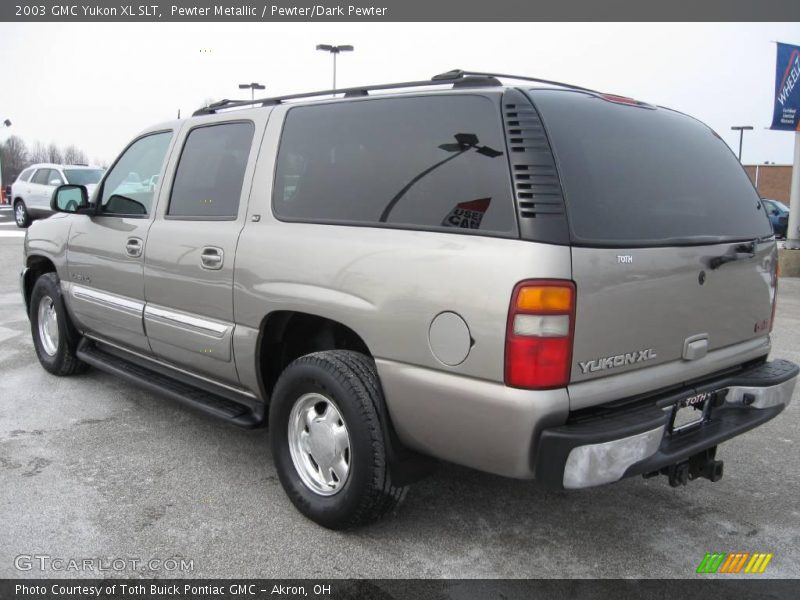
x=778, y=214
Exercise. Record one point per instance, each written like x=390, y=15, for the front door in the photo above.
x=105, y=256
x=191, y=247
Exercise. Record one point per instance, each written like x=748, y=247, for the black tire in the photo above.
x=350, y=380
x=21, y=215
x=64, y=360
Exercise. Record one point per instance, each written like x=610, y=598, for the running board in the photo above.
x=193, y=396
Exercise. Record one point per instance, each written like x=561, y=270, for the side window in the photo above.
x=54, y=178
x=208, y=180
x=41, y=176
x=128, y=189
x=26, y=175
x=435, y=163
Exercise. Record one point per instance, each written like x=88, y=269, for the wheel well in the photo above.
x=288, y=335
x=37, y=266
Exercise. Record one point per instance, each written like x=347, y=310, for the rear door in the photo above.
x=672, y=252
x=191, y=247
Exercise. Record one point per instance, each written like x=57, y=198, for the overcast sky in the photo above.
x=97, y=85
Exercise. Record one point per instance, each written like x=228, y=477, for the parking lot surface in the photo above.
x=94, y=467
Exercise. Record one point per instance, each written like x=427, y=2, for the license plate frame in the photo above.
x=691, y=412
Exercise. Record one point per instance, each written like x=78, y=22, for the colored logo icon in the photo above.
x=736, y=562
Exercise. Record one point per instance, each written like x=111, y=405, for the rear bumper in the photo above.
x=623, y=443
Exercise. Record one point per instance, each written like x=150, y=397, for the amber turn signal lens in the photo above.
x=545, y=298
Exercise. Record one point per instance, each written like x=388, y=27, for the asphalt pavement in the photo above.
x=94, y=468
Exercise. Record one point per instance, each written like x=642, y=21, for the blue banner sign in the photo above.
x=787, y=89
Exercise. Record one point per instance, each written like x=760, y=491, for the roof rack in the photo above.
x=457, y=78
x=459, y=74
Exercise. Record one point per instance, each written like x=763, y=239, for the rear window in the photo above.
x=433, y=163
x=638, y=176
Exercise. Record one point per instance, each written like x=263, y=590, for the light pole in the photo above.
x=334, y=50
x=252, y=87
x=741, y=129
x=6, y=123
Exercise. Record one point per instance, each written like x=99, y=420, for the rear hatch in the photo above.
x=672, y=252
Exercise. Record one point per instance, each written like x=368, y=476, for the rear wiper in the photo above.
x=742, y=251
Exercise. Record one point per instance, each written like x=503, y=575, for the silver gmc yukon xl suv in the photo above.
x=535, y=281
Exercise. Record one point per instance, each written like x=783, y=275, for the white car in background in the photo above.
x=31, y=192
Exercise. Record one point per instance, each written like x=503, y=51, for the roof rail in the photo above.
x=459, y=74
x=478, y=81
x=458, y=78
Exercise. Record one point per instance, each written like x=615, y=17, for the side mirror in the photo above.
x=69, y=198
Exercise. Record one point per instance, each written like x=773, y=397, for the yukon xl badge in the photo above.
x=618, y=360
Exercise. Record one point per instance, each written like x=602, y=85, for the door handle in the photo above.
x=133, y=247
x=212, y=257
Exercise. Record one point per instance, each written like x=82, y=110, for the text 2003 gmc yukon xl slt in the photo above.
x=548, y=283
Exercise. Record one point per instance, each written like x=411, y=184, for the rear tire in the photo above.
x=328, y=441
x=54, y=336
x=21, y=215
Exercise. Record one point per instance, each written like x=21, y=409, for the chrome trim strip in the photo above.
x=172, y=367
x=107, y=300
x=213, y=328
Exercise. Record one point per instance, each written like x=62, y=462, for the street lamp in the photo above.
x=252, y=87
x=741, y=129
x=334, y=50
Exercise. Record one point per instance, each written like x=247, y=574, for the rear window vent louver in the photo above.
x=537, y=188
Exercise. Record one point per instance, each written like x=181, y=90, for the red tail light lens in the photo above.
x=539, y=334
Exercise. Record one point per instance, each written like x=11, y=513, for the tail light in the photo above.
x=541, y=322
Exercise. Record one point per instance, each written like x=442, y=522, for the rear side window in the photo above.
x=638, y=176
x=434, y=163
x=54, y=178
x=208, y=181
x=26, y=175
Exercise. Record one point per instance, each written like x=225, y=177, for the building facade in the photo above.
x=771, y=181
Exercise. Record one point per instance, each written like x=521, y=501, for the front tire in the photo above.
x=54, y=336
x=21, y=215
x=328, y=441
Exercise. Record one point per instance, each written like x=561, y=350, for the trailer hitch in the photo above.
x=703, y=464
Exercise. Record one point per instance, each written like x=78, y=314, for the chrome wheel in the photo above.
x=48, y=325
x=19, y=214
x=319, y=444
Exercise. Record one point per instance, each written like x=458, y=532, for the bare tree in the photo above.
x=38, y=153
x=14, y=158
x=74, y=156
x=54, y=154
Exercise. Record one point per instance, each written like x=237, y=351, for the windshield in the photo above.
x=636, y=176
x=83, y=176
